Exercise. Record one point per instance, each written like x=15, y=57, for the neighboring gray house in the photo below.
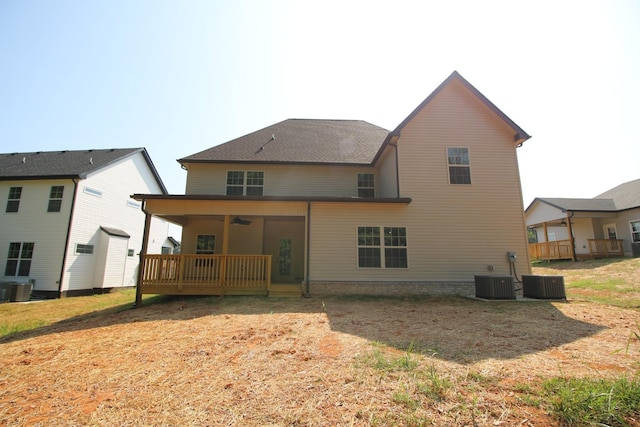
x=607, y=225
x=67, y=223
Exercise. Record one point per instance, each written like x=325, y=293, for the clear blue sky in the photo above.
x=178, y=77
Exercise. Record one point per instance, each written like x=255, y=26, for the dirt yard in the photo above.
x=313, y=362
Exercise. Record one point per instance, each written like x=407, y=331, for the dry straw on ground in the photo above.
x=312, y=362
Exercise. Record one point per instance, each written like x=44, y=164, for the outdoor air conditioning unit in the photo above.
x=20, y=292
x=543, y=287
x=495, y=287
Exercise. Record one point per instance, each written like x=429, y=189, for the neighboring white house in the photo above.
x=569, y=228
x=347, y=206
x=68, y=224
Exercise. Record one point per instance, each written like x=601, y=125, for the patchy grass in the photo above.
x=21, y=317
x=613, y=281
x=323, y=361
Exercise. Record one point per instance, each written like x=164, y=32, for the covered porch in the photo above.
x=565, y=249
x=229, y=247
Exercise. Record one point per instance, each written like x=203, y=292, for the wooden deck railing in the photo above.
x=603, y=248
x=558, y=249
x=206, y=274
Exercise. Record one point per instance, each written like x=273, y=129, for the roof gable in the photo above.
x=301, y=141
x=519, y=134
x=66, y=163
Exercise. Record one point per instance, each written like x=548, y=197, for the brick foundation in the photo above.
x=466, y=289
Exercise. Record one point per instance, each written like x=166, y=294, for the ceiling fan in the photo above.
x=238, y=220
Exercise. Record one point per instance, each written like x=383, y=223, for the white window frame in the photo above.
x=635, y=235
x=382, y=246
x=202, y=251
x=466, y=165
x=371, y=188
x=11, y=201
x=245, y=183
x=55, y=199
x=22, y=257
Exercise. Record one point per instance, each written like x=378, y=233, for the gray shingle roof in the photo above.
x=65, y=164
x=579, y=204
x=301, y=141
x=624, y=196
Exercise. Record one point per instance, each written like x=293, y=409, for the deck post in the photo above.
x=143, y=252
x=572, y=240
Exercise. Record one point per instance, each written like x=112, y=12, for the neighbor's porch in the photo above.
x=563, y=249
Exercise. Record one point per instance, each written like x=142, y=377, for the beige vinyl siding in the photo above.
x=333, y=250
x=387, y=175
x=453, y=231
x=32, y=223
x=280, y=180
x=459, y=230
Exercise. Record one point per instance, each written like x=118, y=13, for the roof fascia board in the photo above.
x=206, y=197
x=254, y=162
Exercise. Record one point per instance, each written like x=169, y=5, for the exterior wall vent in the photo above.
x=543, y=287
x=495, y=287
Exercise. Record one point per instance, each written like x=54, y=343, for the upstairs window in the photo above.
x=366, y=186
x=55, y=198
x=382, y=247
x=19, y=259
x=459, y=169
x=13, y=201
x=245, y=183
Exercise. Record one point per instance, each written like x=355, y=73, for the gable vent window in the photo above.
x=459, y=169
x=13, y=202
x=366, y=186
x=92, y=191
x=19, y=259
x=55, y=198
x=245, y=183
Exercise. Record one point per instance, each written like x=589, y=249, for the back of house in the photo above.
x=344, y=206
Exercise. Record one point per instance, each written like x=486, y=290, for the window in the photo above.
x=459, y=170
x=241, y=183
x=13, y=202
x=19, y=259
x=366, y=186
x=205, y=244
x=635, y=231
x=382, y=247
x=84, y=249
x=55, y=198
x=130, y=252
